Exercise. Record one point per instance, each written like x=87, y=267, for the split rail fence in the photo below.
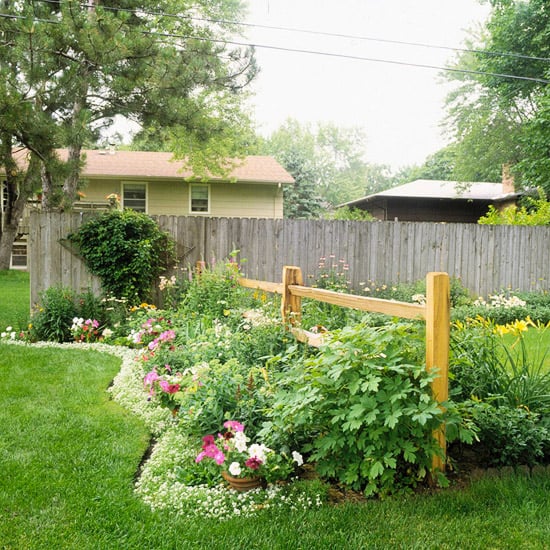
x=435, y=312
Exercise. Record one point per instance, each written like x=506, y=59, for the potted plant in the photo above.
x=246, y=466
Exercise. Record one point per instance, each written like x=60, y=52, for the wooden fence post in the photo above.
x=291, y=306
x=438, y=320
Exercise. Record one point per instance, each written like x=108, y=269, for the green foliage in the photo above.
x=127, y=250
x=53, y=73
x=53, y=316
x=365, y=403
x=439, y=166
x=508, y=436
x=331, y=274
x=353, y=214
x=484, y=365
x=216, y=293
x=328, y=165
x=499, y=120
x=535, y=212
x=536, y=307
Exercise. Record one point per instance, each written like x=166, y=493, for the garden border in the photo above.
x=435, y=312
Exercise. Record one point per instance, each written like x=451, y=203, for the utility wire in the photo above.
x=318, y=52
x=313, y=32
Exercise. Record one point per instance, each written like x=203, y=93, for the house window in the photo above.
x=4, y=196
x=135, y=196
x=200, y=198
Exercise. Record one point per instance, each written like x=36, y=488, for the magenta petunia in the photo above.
x=169, y=388
x=207, y=440
x=253, y=463
x=233, y=425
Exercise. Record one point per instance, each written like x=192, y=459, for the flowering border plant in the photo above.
x=231, y=451
x=85, y=330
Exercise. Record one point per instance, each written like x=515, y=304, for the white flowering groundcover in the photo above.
x=158, y=484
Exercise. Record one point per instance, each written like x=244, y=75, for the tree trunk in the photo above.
x=70, y=184
x=19, y=192
x=10, y=226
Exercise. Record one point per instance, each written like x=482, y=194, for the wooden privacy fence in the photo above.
x=486, y=258
x=435, y=312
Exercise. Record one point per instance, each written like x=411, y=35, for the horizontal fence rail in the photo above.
x=436, y=313
x=485, y=258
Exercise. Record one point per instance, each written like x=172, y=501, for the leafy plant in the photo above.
x=535, y=211
x=53, y=316
x=364, y=407
x=127, y=250
x=215, y=292
x=231, y=451
x=508, y=436
x=484, y=365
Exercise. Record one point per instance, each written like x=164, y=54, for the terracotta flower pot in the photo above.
x=242, y=483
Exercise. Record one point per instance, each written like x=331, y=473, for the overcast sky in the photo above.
x=400, y=108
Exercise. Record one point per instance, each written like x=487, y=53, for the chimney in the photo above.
x=507, y=180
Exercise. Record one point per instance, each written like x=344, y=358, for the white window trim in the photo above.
x=207, y=185
x=124, y=183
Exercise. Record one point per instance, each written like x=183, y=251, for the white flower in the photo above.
x=235, y=469
x=107, y=333
x=9, y=329
x=297, y=457
x=240, y=442
x=258, y=451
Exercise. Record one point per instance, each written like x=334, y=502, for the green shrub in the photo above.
x=364, y=407
x=126, y=250
x=509, y=436
x=53, y=316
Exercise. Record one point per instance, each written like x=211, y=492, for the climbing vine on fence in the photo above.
x=126, y=250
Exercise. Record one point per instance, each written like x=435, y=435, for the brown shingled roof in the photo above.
x=143, y=164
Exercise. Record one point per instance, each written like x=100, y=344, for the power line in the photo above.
x=316, y=33
x=318, y=52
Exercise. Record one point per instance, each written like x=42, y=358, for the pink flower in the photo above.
x=200, y=456
x=149, y=379
x=219, y=458
x=207, y=440
x=169, y=388
x=234, y=425
x=253, y=463
x=167, y=335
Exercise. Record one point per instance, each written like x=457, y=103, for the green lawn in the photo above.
x=68, y=457
x=14, y=299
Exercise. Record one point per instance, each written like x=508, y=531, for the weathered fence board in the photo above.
x=485, y=258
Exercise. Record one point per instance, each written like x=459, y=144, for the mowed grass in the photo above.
x=68, y=457
x=14, y=299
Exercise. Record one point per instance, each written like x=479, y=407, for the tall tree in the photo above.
x=328, y=166
x=496, y=119
x=73, y=66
